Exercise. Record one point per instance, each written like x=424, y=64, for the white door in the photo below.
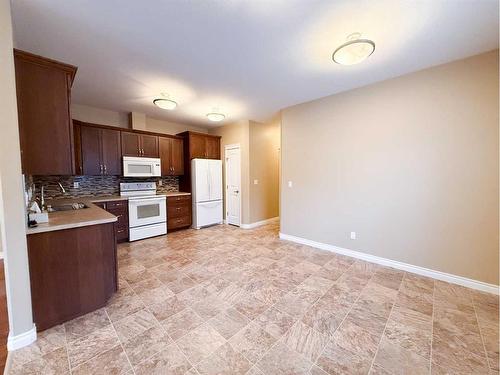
x=233, y=185
x=215, y=177
x=200, y=180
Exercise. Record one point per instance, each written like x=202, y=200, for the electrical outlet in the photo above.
x=160, y=182
x=353, y=235
x=76, y=185
x=290, y=184
x=255, y=182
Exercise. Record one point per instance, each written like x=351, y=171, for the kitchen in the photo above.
x=129, y=178
x=215, y=187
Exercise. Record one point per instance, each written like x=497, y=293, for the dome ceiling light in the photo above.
x=216, y=117
x=165, y=103
x=354, y=51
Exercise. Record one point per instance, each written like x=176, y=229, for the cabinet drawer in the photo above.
x=117, y=204
x=179, y=199
x=178, y=210
x=178, y=222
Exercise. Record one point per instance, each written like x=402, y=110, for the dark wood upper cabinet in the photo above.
x=177, y=156
x=171, y=155
x=130, y=144
x=111, y=152
x=43, y=89
x=136, y=144
x=149, y=145
x=212, y=146
x=98, y=150
x=90, y=151
x=197, y=146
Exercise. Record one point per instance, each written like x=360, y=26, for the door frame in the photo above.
x=226, y=148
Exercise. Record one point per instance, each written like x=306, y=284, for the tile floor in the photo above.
x=229, y=301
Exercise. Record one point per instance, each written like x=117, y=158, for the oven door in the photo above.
x=141, y=167
x=146, y=211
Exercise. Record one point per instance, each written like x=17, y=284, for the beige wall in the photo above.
x=410, y=164
x=238, y=133
x=12, y=212
x=264, y=144
x=102, y=116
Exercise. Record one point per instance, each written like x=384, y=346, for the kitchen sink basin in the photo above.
x=67, y=207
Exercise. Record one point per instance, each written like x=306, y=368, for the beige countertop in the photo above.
x=60, y=220
x=92, y=215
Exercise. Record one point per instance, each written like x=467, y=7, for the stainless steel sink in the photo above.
x=67, y=207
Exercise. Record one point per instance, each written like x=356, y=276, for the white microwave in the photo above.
x=141, y=167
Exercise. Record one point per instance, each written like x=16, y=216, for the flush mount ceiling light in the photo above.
x=215, y=117
x=165, y=103
x=354, y=50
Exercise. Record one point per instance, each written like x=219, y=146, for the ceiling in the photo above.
x=247, y=59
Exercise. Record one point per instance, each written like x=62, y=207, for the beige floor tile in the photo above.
x=86, y=324
x=200, y=343
x=169, y=361
x=228, y=322
x=146, y=344
x=251, y=306
x=181, y=323
x=166, y=309
x=224, y=361
x=113, y=361
x=134, y=324
x=305, y=340
x=282, y=360
x=252, y=341
x=54, y=362
x=398, y=360
x=298, y=297
x=275, y=322
x=455, y=358
x=336, y=360
x=86, y=347
x=356, y=339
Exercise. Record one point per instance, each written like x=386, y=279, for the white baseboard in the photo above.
x=259, y=223
x=22, y=340
x=454, y=279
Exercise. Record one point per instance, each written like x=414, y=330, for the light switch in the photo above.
x=76, y=184
x=255, y=182
x=353, y=235
x=290, y=184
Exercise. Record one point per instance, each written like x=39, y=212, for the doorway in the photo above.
x=232, y=155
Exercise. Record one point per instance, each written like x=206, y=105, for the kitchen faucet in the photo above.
x=62, y=188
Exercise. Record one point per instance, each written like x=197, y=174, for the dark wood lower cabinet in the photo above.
x=178, y=212
x=72, y=272
x=120, y=210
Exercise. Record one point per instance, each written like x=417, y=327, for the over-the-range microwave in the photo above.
x=141, y=167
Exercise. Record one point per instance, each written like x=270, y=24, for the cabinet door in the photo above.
x=91, y=151
x=111, y=152
x=149, y=146
x=197, y=148
x=177, y=156
x=130, y=144
x=164, y=146
x=43, y=97
x=213, y=147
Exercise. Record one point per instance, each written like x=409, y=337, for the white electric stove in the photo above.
x=147, y=211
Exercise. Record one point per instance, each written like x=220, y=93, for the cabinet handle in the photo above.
x=178, y=209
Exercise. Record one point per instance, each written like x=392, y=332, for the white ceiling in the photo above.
x=248, y=58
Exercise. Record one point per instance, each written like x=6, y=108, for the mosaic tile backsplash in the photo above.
x=93, y=185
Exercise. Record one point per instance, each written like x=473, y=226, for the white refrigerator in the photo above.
x=206, y=187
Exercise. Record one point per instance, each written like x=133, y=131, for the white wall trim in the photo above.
x=22, y=340
x=443, y=276
x=260, y=223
